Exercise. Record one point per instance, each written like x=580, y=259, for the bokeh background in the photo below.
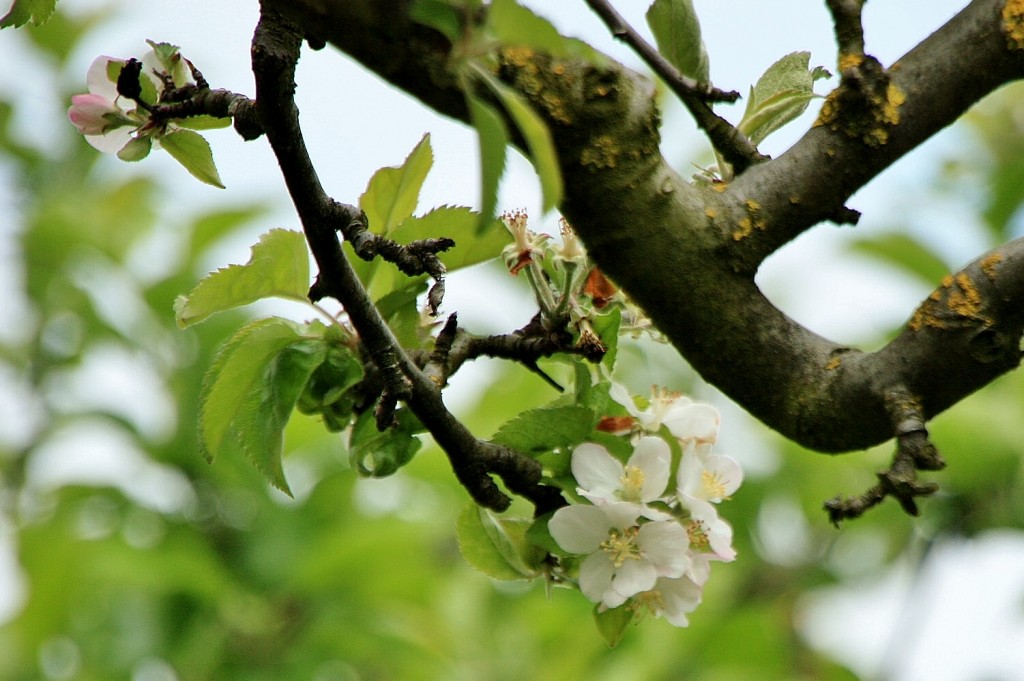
x=123, y=555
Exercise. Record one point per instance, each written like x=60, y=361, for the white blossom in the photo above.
x=624, y=489
x=688, y=421
x=622, y=558
x=672, y=599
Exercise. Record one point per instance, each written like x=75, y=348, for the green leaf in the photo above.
x=497, y=546
x=377, y=454
x=438, y=15
x=251, y=388
x=779, y=96
x=400, y=310
x=264, y=412
x=906, y=253
x=515, y=25
x=136, y=149
x=393, y=192
x=210, y=227
x=611, y=624
x=390, y=198
x=191, y=150
x=329, y=386
x=606, y=325
x=167, y=55
x=536, y=133
x=676, y=29
x=170, y=60
x=539, y=535
x=490, y=129
x=278, y=267
x=460, y=224
x=547, y=428
x=36, y=12
x=203, y=122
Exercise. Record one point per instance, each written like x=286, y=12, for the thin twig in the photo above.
x=846, y=16
x=914, y=452
x=725, y=138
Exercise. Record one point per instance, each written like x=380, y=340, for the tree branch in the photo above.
x=275, y=51
x=687, y=255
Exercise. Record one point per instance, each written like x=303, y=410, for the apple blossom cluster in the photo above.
x=113, y=123
x=649, y=534
x=121, y=112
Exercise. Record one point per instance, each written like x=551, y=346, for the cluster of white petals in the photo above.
x=109, y=121
x=646, y=546
x=105, y=118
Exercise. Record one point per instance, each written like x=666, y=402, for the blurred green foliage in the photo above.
x=207, y=573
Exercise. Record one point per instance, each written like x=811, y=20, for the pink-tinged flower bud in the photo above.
x=87, y=113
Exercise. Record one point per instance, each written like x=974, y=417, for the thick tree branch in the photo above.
x=688, y=254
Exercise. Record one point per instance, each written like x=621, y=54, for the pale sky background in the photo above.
x=355, y=124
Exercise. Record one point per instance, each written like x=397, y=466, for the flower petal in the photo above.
x=726, y=474
x=694, y=421
x=666, y=546
x=111, y=141
x=596, y=574
x=654, y=458
x=87, y=113
x=678, y=597
x=631, y=578
x=97, y=80
x=619, y=393
x=596, y=471
x=579, y=529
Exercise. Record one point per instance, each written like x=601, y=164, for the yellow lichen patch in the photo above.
x=965, y=299
x=746, y=228
x=753, y=213
x=918, y=320
x=710, y=212
x=603, y=152
x=795, y=200
x=886, y=112
x=829, y=110
x=889, y=110
x=957, y=301
x=833, y=364
x=521, y=57
x=719, y=186
x=1013, y=23
x=555, y=106
x=869, y=119
x=989, y=265
x=850, y=61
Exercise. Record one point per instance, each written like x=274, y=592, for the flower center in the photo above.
x=622, y=546
x=662, y=400
x=632, y=482
x=698, y=535
x=713, y=485
x=647, y=603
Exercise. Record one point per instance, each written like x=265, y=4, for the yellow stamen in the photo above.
x=632, y=482
x=698, y=535
x=621, y=546
x=714, y=486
